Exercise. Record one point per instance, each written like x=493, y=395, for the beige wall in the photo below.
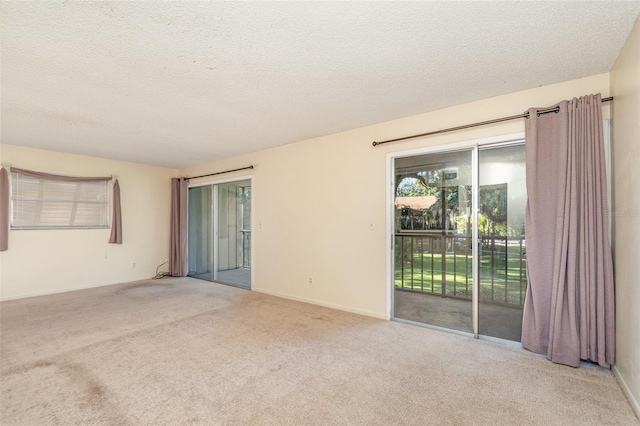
x=49, y=261
x=314, y=200
x=625, y=86
x=313, y=203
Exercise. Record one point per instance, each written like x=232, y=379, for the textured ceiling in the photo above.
x=181, y=83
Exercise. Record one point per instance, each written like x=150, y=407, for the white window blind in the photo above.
x=38, y=203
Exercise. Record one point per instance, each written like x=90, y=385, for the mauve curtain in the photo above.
x=60, y=178
x=569, y=307
x=178, y=249
x=4, y=210
x=116, y=219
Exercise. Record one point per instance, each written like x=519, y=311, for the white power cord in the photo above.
x=160, y=274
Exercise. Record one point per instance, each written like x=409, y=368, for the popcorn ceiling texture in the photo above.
x=182, y=83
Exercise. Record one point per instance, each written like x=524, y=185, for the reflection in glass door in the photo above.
x=220, y=233
x=433, y=250
x=200, y=232
x=434, y=259
x=502, y=252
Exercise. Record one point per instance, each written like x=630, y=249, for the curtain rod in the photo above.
x=481, y=123
x=220, y=173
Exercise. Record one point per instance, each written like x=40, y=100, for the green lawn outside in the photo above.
x=426, y=275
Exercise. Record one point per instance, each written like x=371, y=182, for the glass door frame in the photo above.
x=214, y=183
x=473, y=146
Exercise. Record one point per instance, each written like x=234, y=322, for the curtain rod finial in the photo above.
x=114, y=177
x=7, y=165
x=374, y=143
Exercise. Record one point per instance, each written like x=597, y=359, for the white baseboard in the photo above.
x=47, y=293
x=63, y=290
x=379, y=315
x=625, y=387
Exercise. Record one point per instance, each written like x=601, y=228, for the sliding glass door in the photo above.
x=502, y=251
x=433, y=251
x=200, y=232
x=220, y=233
x=452, y=268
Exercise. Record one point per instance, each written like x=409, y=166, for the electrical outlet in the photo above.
x=310, y=281
x=133, y=265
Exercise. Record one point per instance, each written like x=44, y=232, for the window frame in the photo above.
x=105, y=201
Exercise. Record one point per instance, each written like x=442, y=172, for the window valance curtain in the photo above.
x=116, y=220
x=569, y=307
x=60, y=178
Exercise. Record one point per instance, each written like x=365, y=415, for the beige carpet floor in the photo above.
x=186, y=351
